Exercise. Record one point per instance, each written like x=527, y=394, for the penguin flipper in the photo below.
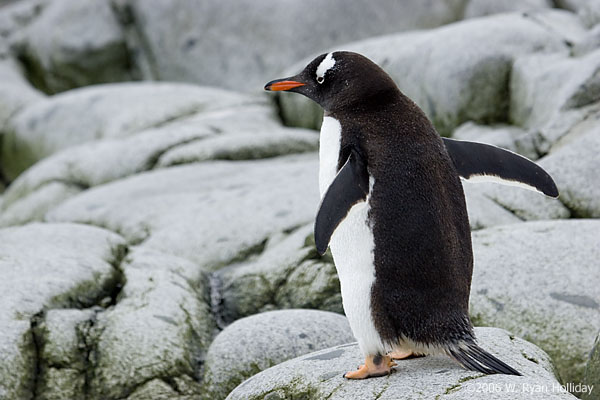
x=350, y=186
x=483, y=162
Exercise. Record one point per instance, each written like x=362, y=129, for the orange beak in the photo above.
x=282, y=84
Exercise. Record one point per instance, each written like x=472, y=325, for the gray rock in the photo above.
x=232, y=45
x=212, y=213
x=35, y=205
x=255, y=343
x=14, y=16
x=532, y=277
x=63, y=359
x=288, y=273
x=543, y=85
x=15, y=92
x=508, y=137
x=561, y=23
x=587, y=10
x=525, y=204
x=112, y=111
x=592, y=371
x=154, y=389
x=157, y=389
x=319, y=375
x=451, y=82
x=46, y=266
x=574, y=166
x=234, y=133
x=160, y=326
x=483, y=211
x=590, y=42
x=72, y=44
x=479, y=8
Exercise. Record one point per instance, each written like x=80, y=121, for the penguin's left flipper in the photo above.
x=482, y=162
x=350, y=186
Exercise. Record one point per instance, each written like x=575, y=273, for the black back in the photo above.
x=423, y=255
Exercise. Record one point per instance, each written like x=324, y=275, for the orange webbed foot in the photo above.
x=376, y=365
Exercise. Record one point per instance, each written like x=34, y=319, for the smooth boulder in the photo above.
x=319, y=376
x=255, y=343
x=452, y=83
x=540, y=280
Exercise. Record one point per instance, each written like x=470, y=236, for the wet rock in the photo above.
x=539, y=280
x=256, y=343
x=319, y=375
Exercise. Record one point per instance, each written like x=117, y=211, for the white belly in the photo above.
x=352, y=247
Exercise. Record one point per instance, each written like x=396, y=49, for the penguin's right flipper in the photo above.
x=475, y=358
x=484, y=162
x=350, y=186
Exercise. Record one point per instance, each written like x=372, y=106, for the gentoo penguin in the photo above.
x=393, y=213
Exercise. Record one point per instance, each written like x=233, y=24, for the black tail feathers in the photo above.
x=473, y=357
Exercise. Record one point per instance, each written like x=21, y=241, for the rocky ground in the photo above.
x=156, y=207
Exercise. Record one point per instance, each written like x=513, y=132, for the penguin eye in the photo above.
x=320, y=79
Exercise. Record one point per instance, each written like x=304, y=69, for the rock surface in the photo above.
x=592, y=371
x=15, y=92
x=235, y=132
x=288, y=273
x=256, y=343
x=573, y=167
x=205, y=191
x=48, y=266
x=319, y=375
x=550, y=295
x=73, y=43
x=112, y=111
x=160, y=327
x=210, y=213
x=451, y=82
x=212, y=43
x=479, y=8
x=543, y=85
x=507, y=137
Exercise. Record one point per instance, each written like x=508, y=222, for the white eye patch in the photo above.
x=327, y=63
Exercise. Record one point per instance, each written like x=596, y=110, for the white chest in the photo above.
x=352, y=247
x=329, y=150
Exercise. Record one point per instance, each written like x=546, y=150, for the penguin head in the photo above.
x=338, y=80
